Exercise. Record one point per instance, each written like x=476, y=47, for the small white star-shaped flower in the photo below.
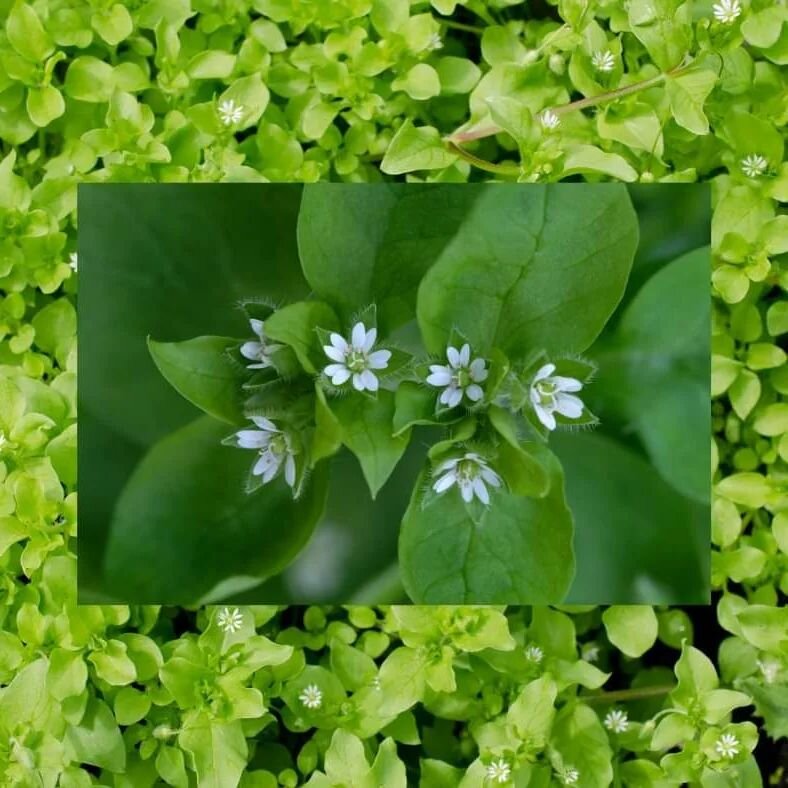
x=356, y=359
x=570, y=776
x=229, y=620
x=499, y=771
x=617, y=721
x=727, y=746
x=73, y=261
x=726, y=11
x=534, y=654
x=603, y=61
x=435, y=42
x=275, y=450
x=470, y=473
x=460, y=377
x=550, y=394
x=258, y=350
x=590, y=652
x=230, y=113
x=754, y=165
x=549, y=120
x=311, y=696
x=769, y=667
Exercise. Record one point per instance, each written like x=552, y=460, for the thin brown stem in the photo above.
x=630, y=694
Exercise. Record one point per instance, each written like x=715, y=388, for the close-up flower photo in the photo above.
x=393, y=394
x=493, y=411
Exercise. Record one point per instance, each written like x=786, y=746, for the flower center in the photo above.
x=356, y=361
x=547, y=391
x=461, y=378
x=278, y=444
x=467, y=471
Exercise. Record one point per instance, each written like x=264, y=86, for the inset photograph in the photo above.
x=428, y=393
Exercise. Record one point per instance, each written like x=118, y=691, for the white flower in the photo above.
x=549, y=395
x=549, y=120
x=311, y=696
x=73, y=262
x=617, y=721
x=460, y=377
x=230, y=620
x=356, y=359
x=570, y=776
x=534, y=654
x=727, y=746
x=603, y=61
x=591, y=652
x=769, y=667
x=469, y=473
x=275, y=450
x=230, y=113
x=726, y=11
x=754, y=165
x=258, y=350
x=435, y=42
x=499, y=771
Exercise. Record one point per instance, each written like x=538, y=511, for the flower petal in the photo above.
x=567, y=384
x=444, y=466
x=369, y=340
x=453, y=355
x=252, y=439
x=478, y=371
x=379, y=359
x=338, y=374
x=490, y=476
x=439, y=376
x=568, y=405
x=444, y=482
x=545, y=416
x=264, y=424
x=544, y=372
x=370, y=380
x=338, y=341
x=466, y=489
x=465, y=355
x=481, y=491
x=455, y=397
x=334, y=353
x=290, y=470
x=358, y=382
x=263, y=463
x=474, y=393
x=258, y=327
x=251, y=350
x=358, y=336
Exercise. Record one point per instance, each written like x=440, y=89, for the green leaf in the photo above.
x=44, y=105
x=589, y=158
x=26, y=34
x=581, y=741
x=516, y=551
x=402, y=681
x=367, y=430
x=416, y=148
x=654, y=373
x=687, y=93
x=533, y=710
x=631, y=628
x=202, y=371
x=67, y=673
x=217, y=751
x=295, y=325
x=113, y=24
x=97, y=740
x=184, y=521
x=664, y=28
x=90, y=79
x=619, y=502
x=373, y=243
x=637, y=127
x=765, y=627
x=526, y=245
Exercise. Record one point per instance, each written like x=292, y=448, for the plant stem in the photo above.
x=505, y=170
x=630, y=694
x=589, y=101
x=383, y=589
x=462, y=26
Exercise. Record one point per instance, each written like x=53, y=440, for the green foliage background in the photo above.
x=360, y=90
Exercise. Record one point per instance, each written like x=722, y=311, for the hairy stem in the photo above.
x=564, y=109
x=630, y=694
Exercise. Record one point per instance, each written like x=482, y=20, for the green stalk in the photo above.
x=638, y=693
